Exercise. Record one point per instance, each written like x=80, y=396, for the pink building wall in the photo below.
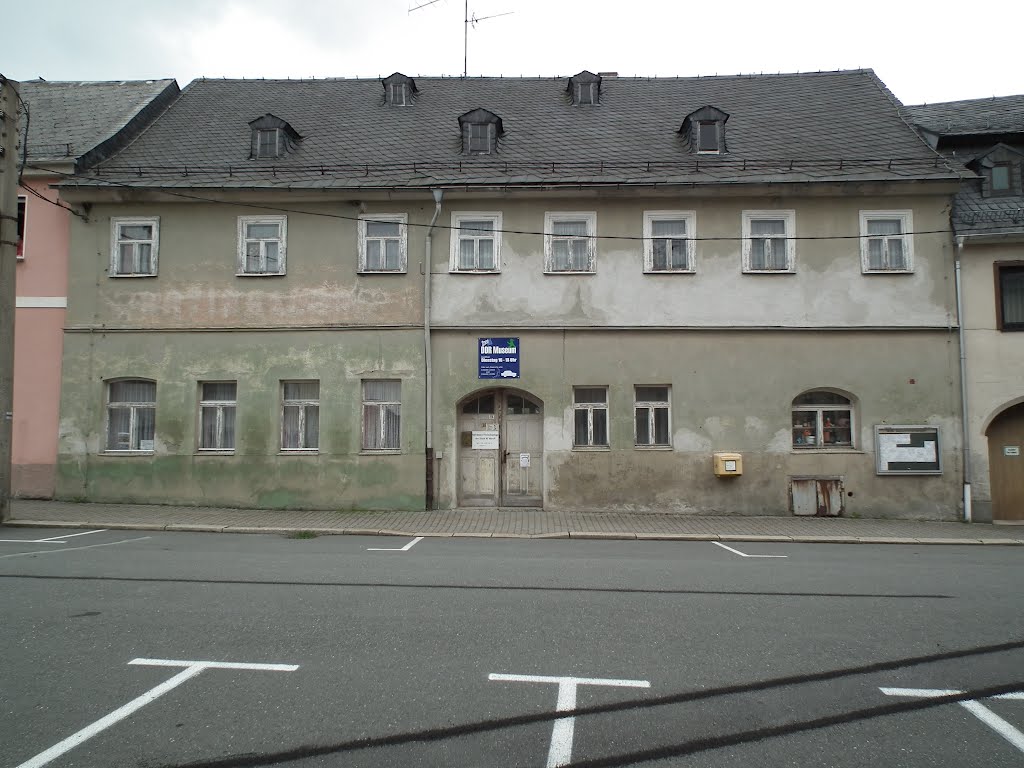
x=41, y=298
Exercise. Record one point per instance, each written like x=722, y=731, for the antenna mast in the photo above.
x=466, y=21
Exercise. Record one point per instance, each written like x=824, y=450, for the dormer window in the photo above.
x=1001, y=179
x=481, y=130
x=704, y=130
x=272, y=137
x=399, y=90
x=585, y=89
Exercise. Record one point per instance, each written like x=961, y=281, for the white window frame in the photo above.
x=588, y=94
x=218, y=406
x=590, y=445
x=23, y=221
x=590, y=217
x=276, y=151
x=302, y=404
x=815, y=412
x=651, y=406
x=134, y=407
x=456, y=237
x=716, y=126
x=282, y=240
x=399, y=94
x=473, y=143
x=690, y=218
x=115, y=241
x=381, y=423
x=402, y=219
x=789, y=217
x=906, y=219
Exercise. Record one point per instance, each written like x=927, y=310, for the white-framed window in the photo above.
x=652, y=423
x=262, y=245
x=300, y=415
x=382, y=242
x=707, y=136
x=476, y=242
x=569, y=242
x=587, y=93
x=268, y=142
x=135, y=243
x=768, y=244
x=218, y=401
x=822, y=419
x=398, y=94
x=131, y=415
x=382, y=415
x=590, y=417
x=22, y=209
x=886, y=244
x=669, y=244
x=479, y=138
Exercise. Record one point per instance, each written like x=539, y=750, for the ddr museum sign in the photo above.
x=498, y=358
x=907, y=450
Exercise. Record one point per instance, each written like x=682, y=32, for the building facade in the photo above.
x=561, y=293
x=64, y=122
x=987, y=136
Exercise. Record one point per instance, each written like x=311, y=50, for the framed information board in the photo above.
x=907, y=450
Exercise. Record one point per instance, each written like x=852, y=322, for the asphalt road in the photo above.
x=456, y=652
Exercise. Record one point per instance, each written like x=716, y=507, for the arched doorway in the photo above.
x=501, y=449
x=1006, y=465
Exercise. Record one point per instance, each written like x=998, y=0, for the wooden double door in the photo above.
x=501, y=450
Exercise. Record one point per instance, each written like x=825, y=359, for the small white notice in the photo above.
x=485, y=441
x=524, y=460
x=1011, y=450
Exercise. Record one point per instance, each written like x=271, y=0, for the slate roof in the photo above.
x=967, y=130
x=835, y=126
x=69, y=119
x=972, y=117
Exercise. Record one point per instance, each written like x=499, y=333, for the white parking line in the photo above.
x=743, y=554
x=191, y=669
x=52, y=540
x=560, y=752
x=406, y=548
x=976, y=708
x=72, y=549
x=72, y=535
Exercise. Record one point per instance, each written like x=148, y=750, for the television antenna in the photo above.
x=467, y=21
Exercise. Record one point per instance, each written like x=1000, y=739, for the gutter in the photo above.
x=963, y=381
x=429, y=437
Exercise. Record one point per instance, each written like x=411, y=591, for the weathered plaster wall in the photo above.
x=995, y=360
x=828, y=288
x=41, y=288
x=197, y=285
x=339, y=476
x=731, y=391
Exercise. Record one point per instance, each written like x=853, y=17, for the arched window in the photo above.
x=822, y=419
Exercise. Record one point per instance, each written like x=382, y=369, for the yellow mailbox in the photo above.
x=728, y=464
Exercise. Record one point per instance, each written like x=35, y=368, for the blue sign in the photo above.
x=498, y=358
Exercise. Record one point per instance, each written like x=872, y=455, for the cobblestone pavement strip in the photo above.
x=508, y=522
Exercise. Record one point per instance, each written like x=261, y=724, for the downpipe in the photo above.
x=968, y=516
x=428, y=362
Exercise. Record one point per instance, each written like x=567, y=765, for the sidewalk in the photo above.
x=509, y=523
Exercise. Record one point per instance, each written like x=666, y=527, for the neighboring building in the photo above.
x=66, y=123
x=987, y=135
x=651, y=270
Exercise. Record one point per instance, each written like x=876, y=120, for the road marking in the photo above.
x=30, y=541
x=72, y=535
x=560, y=752
x=191, y=669
x=72, y=549
x=976, y=708
x=743, y=554
x=406, y=548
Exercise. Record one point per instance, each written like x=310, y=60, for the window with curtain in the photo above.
x=261, y=245
x=382, y=243
x=768, y=244
x=382, y=415
x=569, y=242
x=475, y=241
x=131, y=415
x=668, y=243
x=652, y=416
x=300, y=415
x=886, y=241
x=217, y=404
x=134, y=247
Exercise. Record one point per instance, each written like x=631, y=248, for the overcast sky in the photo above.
x=924, y=52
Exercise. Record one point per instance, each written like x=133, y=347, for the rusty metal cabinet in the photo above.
x=816, y=496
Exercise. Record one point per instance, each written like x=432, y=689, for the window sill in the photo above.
x=887, y=271
x=474, y=271
x=670, y=271
x=381, y=452
x=653, y=447
x=597, y=448
x=820, y=449
x=402, y=271
x=260, y=274
x=214, y=452
x=298, y=452
x=570, y=272
x=131, y=274
x=790, y=271
x=126, y=453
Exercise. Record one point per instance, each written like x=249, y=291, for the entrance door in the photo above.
x=1006, y=465
x=501, y=450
